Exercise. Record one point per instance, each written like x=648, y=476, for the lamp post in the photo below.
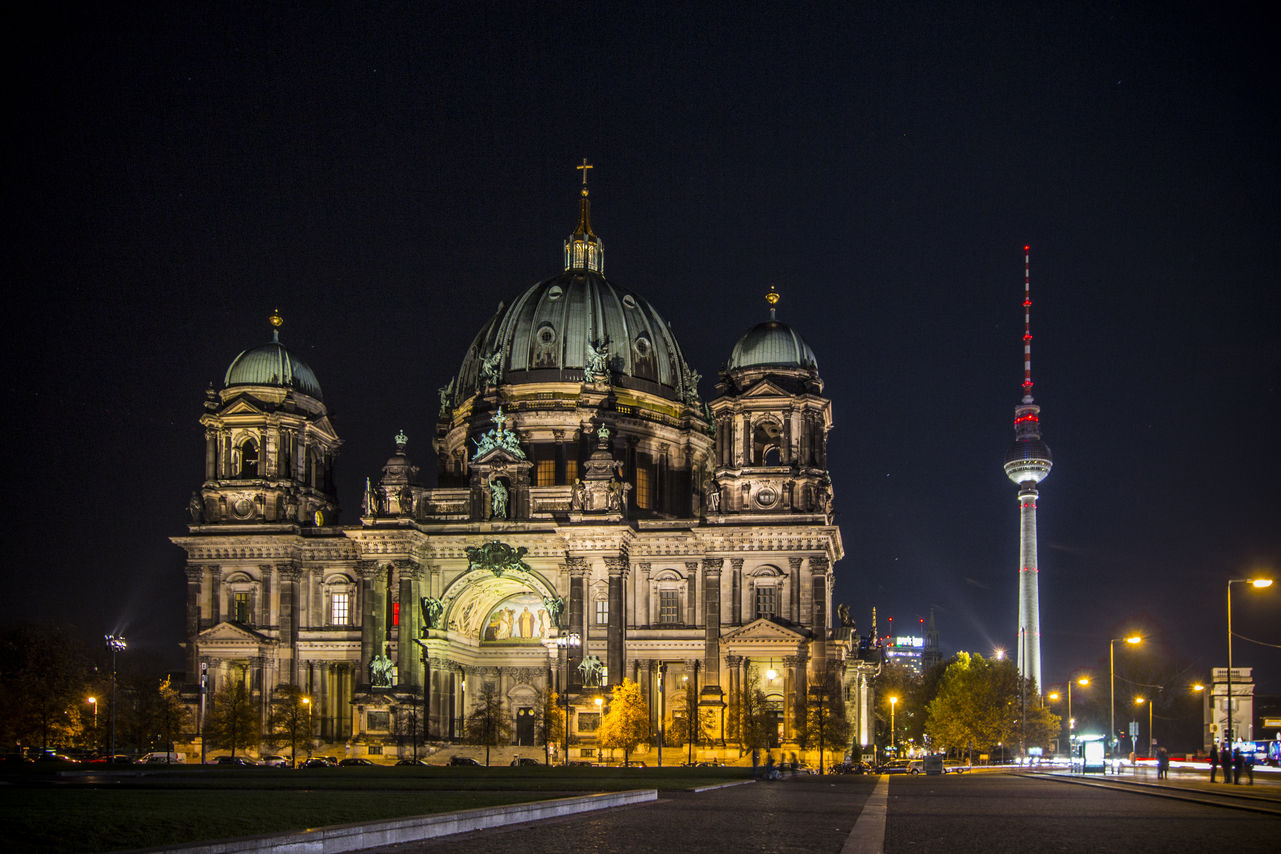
x=93, y=701
x=1132, y=639
x=116, y=643
x=1258, y=583
x=893, y=703
x=1139, y=701
x=565, y=642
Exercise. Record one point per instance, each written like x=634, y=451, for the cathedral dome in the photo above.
x=575, y=326
x=271, y=364
x=772, y=344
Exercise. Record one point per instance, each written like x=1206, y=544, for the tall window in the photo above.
x=240, y=607
x=571, y=471
x=766, y=600
x=644, y=488
x=338, y=609
x=602, y=612
x=545, y=473
x=248, y=459
x=669, y=607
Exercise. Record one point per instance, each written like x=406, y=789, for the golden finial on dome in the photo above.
x=276, y=320
x=772, y=297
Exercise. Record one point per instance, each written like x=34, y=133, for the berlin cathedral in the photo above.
x=593, y=520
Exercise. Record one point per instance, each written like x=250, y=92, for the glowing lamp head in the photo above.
x=1261, y=582
x=1198, y=687
x=1053, y=695
x=93, y=699
x=771, y=674
x=893, y=701
x=1084, y=680
x=1134, y=639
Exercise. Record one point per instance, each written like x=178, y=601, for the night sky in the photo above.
x=387, y=177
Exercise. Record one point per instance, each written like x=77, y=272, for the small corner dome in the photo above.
x=273, y=365
x=772, y=344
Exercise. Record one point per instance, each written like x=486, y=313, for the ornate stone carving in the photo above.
x=497, y=557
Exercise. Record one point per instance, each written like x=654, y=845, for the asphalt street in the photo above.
x=989, y=813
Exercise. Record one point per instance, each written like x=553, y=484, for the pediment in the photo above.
x=500, y=457
x=766, y=388
x=764, y=631
x=231, y=634
x=242, y=405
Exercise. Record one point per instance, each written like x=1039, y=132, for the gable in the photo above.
x=764, y=631
x=766, y=388
x=230, y=635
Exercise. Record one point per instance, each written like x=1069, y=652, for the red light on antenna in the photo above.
x=1026, y=248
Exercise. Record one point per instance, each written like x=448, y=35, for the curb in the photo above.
x=699, y=789
x=378, y=834
x=1155, y=791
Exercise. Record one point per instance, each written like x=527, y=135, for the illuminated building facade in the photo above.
x=592, y=519
x=1027, y=463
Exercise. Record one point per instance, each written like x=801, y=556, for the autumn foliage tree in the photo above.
x=980, y=703
x=488, y=723
x=233, y=722
x=625, y=724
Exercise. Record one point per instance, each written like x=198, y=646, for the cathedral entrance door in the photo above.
x=525, y=727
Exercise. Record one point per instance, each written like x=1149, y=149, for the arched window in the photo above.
x=248, y=459
x=766, y=438
x=668, y=598
x=766, y=592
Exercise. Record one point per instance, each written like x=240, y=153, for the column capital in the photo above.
x=712, y=565
x=289, y=571
x=618, y=566
x=367, y=569
x=819, y=564
x=576, y=565
x=195, y=574
x=736, y=564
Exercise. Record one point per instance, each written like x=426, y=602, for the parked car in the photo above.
x=415, y=762
x=273, y=761
x=162, y=758
x=893, y=766
x=354, y=760
x=954, y=766
x=118, y=759
x=526, y=762
x=465, y=761
x=318, y=762
x=232, y=760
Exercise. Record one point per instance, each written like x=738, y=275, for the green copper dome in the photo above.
x=272, y=364
x=772, y=344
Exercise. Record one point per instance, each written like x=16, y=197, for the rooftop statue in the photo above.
x=498, y=437
x=433, y=609
x=497, y=499
x=497, y=557
x=491, y=368
x=596, y=369
x=592, y=670
x=446, y=398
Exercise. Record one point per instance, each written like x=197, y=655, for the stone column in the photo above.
x=215, y=592
x=211, y=455
x=794, y=588
x=643, y=617
x=712, y=616
x=734, y=663
x=691, y=586
x=819, y=568
x=289, y=576
x=370, y=601
x=264, y=606
x=195, y=579
x=407, y=652
x=795, y=694
x=736, y=591
x=578, y=570
x=619, y=568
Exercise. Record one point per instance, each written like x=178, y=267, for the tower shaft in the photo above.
x=1029, y=654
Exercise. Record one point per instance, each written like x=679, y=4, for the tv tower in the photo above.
x=1027, y=463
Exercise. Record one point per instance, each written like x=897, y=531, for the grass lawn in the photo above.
x=169, y=807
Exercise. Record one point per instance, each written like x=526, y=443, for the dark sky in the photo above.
x=386, y=177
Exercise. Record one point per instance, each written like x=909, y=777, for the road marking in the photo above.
x=868, y=835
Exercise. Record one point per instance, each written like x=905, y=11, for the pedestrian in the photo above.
x=1238, y=765
x=1249, y=766
x=769, y=766
x=1214, y=760
x=1162, y=763
x=1225, y=761
x=756, y=762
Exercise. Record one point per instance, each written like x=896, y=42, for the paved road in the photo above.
x=988, y=813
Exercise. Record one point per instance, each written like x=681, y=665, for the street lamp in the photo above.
x=1139, y=701
x=116, y=643
x=1258, y=583
x=893, y=703
x=565, y=642
x=1132, y=639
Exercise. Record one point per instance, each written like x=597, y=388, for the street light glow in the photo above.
x=1134, y=639
x=1261, y=582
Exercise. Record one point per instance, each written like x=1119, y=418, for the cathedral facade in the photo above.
x=593, y=519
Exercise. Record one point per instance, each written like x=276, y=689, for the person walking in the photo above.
x=1214, y=760
x=1238, y=765
x=1162, y=763
x=1225, y=761
x=1249, y=766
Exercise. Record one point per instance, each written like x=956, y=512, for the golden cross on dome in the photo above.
x=583, y=168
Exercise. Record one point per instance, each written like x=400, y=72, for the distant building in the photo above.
x=1215, y=705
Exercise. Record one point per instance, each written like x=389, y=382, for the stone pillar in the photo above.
x=268, y=586
x=794, y=588
x=370, y=642
x=712, y=616
x=736, y=591
x=734, y=663
x=407, y=659
x=618, y=567
x=289, y=576
x=211, y=455
x=578, y=570
x=691, y=585
x=215, y=593
x=795, y=694
x=195, y=579
x=819, y=568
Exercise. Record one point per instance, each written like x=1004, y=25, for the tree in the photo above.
x=163, y=717
x=553, y=723
x=908, y=717
x=232, y=721
x=488, y=724
x=980, y=704
x=44, y=679
x=289, y=721
x=625, y=723
x=409, y=723
x=825, y=726
x=758, y=722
